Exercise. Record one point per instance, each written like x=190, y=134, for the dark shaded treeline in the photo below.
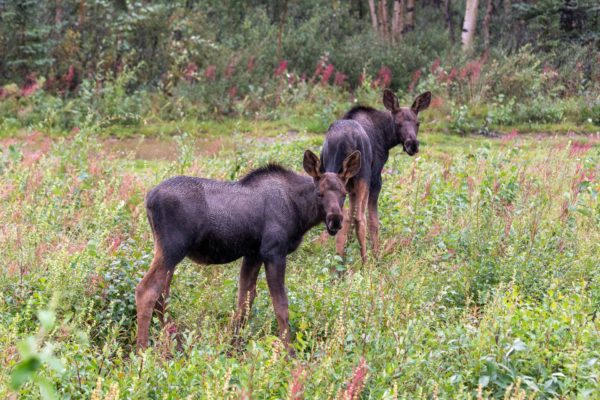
x=164, y=42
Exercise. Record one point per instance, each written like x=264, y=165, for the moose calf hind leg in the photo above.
x=161, y=303
x=147, y=294
x=276, y=283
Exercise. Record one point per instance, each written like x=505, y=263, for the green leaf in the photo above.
x=47, y=390
x=55, y=364
x=23, y=371
x=591, y=362
x=484, y=380
x=518, y=345
x=46, y=318
x=27, y=347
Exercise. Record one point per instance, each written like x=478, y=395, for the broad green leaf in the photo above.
x=484, y=380
x=47, y=390
x=23, y=371
x=46, y=318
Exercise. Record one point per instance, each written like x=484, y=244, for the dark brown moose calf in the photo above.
x=261, y=218
x=374, y=133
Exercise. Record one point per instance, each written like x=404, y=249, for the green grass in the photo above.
x=488, y=286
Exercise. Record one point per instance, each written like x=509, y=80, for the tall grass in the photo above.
x=488, y=285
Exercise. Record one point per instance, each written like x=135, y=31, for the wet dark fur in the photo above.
x=379, y=127
x=383, y=131
x=344, y=137
x=262, y=171
x=261, y=218
x=226, y=213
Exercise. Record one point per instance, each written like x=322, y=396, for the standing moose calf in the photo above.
x=261, y=218
x=374, y=133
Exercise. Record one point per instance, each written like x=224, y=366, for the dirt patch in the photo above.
x=36, y=144
x=33, y=146
x=160, y=149
x=142, y=148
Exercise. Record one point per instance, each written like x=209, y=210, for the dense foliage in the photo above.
x=489, y=281
x=122, y=61
x=488, y=284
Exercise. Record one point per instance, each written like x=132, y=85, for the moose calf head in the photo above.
x=406, y=120
x=331, y=187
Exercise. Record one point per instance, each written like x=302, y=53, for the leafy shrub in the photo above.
x=463, y=122
x=591, y=113
x=541, y=109
x=501, y=111
x=114, y=294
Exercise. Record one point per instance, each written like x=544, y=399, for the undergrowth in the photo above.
x=488, y=285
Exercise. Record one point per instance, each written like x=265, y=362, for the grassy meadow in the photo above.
x=488, y=285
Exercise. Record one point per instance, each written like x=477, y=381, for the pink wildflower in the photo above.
x=415, y=78
x=356, y=385
x=250, y=64
x=436, y=65
x=69, y=78
x=30, y=86
x=281, y=68
x=210, y=72
x=232, y=91
x=327, y=73
x=339, y=79
x=384, y=77
x=319, y=69
x=579, y=148
x=511, y=136
x=453, y=73
x=296, y=388
x=190, y=71
x=361, y=79
x=230, y=69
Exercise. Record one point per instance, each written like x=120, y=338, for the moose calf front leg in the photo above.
x=275, y=271
x=362, y=193
x=373, y=220
x=342, y=235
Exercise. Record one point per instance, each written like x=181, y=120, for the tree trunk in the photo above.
x=383, y=20
x=373, y=11
x=121, y=5
x=470, y=23
x=507, y=7
x=398, y=21
x=58, y=14
x=486, y=23
x=81, y=14
x=282, y=19
x=410, y=15
x=448, y=17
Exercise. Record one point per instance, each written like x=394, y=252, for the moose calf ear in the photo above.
x=351, y=165
x=311, y=164
x=421, y=102
x=390, y=101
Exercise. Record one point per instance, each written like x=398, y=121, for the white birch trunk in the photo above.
x=470, y=24
x=410, y=15
x=373, y=11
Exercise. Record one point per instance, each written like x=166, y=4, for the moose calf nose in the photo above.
x=412, y=146
x=334, y=222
